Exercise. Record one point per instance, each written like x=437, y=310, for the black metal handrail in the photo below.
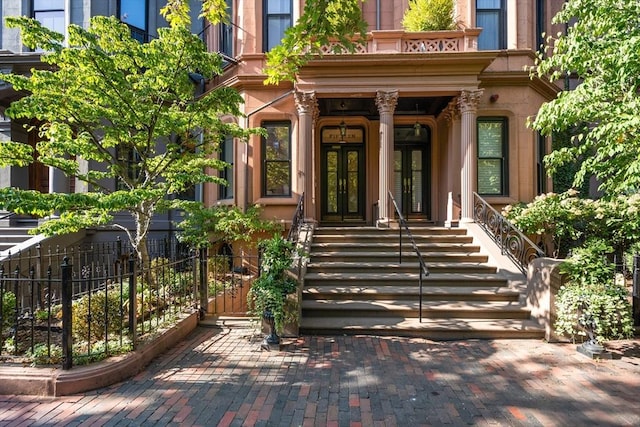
x=512, y=242
x=296, y=222
x=424, y=270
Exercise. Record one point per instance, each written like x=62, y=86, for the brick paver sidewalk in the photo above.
x=222, y=378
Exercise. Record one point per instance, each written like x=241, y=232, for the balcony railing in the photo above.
x=395, y=41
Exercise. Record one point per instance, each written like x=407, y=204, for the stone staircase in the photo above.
x=12, y=236
x=354, y=284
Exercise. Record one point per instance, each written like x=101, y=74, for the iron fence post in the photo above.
x=204, y=289
x=636, y=290
x=66, y=294
x=132, y=299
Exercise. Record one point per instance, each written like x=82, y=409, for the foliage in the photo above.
x=8, y=309
x=202, y=225
x=429, y=15
x=42, y=354
x=321, y=23
x=120, y=117
x=592, y=298
x=601, y=49
x=551, y=214
x=269, y=291
x=100, y=350
x=570, y=220
x=7, y=305
x=96, y=315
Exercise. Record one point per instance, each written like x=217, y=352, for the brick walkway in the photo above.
x=222, y=378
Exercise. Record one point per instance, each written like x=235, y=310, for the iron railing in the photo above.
x=90, y=301
x=296, y=222
x=424, y=270
x=512, y=242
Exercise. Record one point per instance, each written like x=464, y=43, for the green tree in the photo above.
x=322, y=23
x=601, y=48
x=429, y=15
x=127, y=110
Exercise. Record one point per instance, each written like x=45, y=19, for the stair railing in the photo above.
x=512, y=242
x=424, y=270
x=296, y=222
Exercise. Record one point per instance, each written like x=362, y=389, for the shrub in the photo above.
x=8, y=306
x=45, y=355
x=429, y=15
x=101, y=304
x=592, y=299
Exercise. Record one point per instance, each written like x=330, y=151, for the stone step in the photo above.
x=390, y=256
x=418, y=230
x=441, y=329
x=388, y=292
x=390, y=246
x=368, y=279
x=410, y=308
x=375, y=238
x=395, y=268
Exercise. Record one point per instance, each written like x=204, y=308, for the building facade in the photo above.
x=143, y=18
x=430, y=117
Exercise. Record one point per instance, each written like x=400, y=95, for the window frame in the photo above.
x=225, y=192
x=130, y=157
x=501, y=13
x=140, y=34
x=265, y=23
x=504, y=158
x=51, y=9
x=225, y=44
x=266, y=162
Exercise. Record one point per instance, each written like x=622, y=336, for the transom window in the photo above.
x=278, y=17
x=492, y=156
x=491, y=16
x=276, y=159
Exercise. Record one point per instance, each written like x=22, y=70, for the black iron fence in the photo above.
x=84, y=303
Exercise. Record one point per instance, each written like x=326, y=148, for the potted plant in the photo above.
x=267, y=297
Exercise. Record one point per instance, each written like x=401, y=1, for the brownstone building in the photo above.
x=430, y=116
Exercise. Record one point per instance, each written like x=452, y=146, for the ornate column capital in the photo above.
x=469, y=99
x=306, y=102
x=451, y=112
x=386, y=101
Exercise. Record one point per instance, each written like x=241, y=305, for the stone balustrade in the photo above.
x=395, y=41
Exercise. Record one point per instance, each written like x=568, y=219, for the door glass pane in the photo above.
x=397, y=177
x=416, y=181
x=352, y=182
x=332, y=182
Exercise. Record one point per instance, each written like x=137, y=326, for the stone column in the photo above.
x=307, y=105
x=452, y=116
x=468, y=104
x=386, y=103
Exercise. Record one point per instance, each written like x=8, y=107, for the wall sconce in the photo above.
x=343, y=129
x=343, y=125
x=417, y=128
